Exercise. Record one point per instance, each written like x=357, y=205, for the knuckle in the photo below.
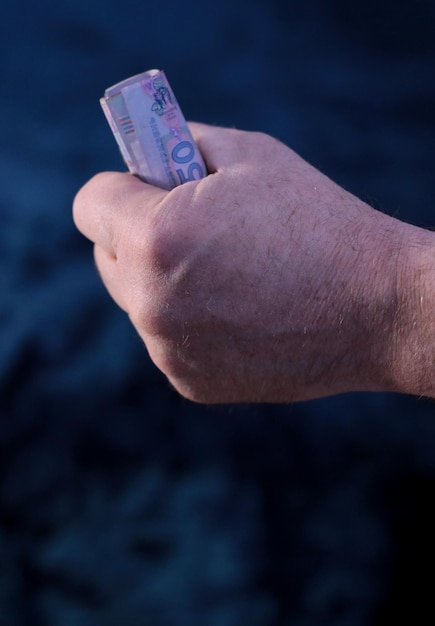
x=169, y=361
x=152, y=316
x=187, y=381
x=190, y=391
x=161, y=244
x=185, y=375
x=91, y=193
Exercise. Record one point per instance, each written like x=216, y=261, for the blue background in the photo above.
x=120, y=502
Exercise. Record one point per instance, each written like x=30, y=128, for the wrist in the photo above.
x=413, y=358
x=389, y=337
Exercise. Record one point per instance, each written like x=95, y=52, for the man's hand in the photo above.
x=265, y=281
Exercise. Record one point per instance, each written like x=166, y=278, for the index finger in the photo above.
x=110, y=202
x=221, y=147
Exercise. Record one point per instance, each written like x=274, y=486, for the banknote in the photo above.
x=151, y=132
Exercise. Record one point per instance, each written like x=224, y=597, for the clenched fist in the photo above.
x=264, y=281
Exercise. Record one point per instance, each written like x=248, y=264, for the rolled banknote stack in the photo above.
x=151, y=132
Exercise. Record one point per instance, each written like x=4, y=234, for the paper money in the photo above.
x=151, y=132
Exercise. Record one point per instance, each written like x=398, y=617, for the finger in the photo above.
x=109, y=202
x=221, y=147
x=109, y=272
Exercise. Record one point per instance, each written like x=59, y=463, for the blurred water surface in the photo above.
x=121, y=503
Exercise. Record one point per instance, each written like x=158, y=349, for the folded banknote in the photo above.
x=151, y=132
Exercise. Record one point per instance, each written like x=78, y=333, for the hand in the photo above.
x=264, y=282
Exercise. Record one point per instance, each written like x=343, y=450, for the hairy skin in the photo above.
x=265, y=281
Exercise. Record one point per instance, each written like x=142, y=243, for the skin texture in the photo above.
x=265, y=281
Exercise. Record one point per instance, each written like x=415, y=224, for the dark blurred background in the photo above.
x=122, y=504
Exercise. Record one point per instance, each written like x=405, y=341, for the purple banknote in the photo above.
x=151, y=132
